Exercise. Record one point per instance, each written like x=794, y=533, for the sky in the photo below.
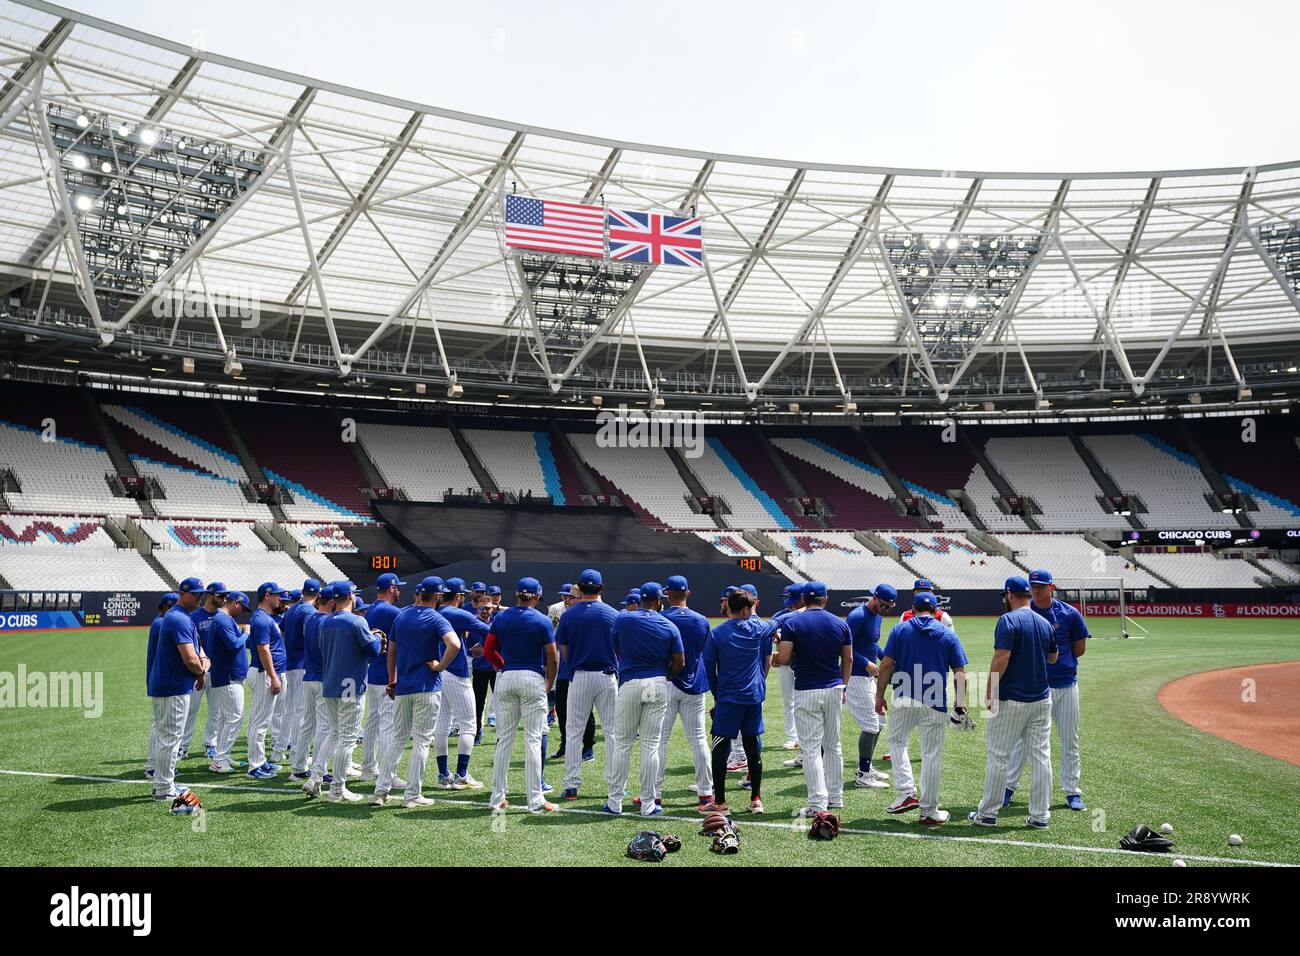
x=1039, y=86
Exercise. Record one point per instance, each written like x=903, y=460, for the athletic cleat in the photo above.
x=803, y=813
x=940, y=817
x=756, y=806
x=453, y=733
x=328, y=778
x=353, y=773
x=653, y=812
x=1036, y=824
x=420, y=801
x=170, y=795
x=379, y=799
x=791, y=745
x=149, y=772
x=741, y=767
x=546, y=807
x=879, y=774
x=492, y=722
x=714, y=807
x=300, y=774
x=693, y=787
x=446, y=782
x=397, y=783
x=346, y=796
x=571, y=793
x=368, y=775
x=466, y=783
x=747, y=783
x=210, y=752
x=869, y=781
x=589, y=753
x=220, y=767
x=273, y=767
x=886, y=758
x=546, y=787
x=558, y=755
x=239, y=764
x=311, y=788
x=902, y=806
x=478, y=738
x=636, y=802
x=1075, y=802
x=261, y=773
x=1006, y=797
x=606, y=808
x=980, y=821
x=550, y=718
x=792, y=762
x=835, y=804
x=182, y=754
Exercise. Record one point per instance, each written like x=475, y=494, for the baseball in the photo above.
x=1166, y=828
x=1235, y=840
x=1180, y=862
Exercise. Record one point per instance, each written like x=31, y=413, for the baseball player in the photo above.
x=229, y=669
x=686, y=692
x=650, y=653
x=919, y=586
x=175, y=669
x=585, y=640
x=482, y=674
x=792, y=603
x=288, y=711
x=864, y=626
x=819, y=647
x=279, y=729
x=481, y=606
x=379, y=705
x=918, y=656
x=316, y=729
x=458, y=689
x=522, y=645
x=267, y=664
x=631, y=601
x=1071, y=632
x=568, y=595
x=421, y=646
x=1019, y=702
x=735, y=660
x=347, y=647
x=166, y=604
x=214, y=596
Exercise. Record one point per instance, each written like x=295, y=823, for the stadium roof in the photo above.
x=372, y=244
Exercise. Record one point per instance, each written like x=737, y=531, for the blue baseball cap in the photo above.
x=239, y=596
x=430, y=585
x=924, y=600
x=566, y=590
x=921, y=584
x=676, y=582
x=342, y=589
x=216, y=587
x=792, y=594
x=727, y=591
x=454, y=586
x=632, y=598
x=1039, y=576
x=590, y=577
x=310, y=586
x=815, y=589
x=270, y=587
x=389, y=580
x=493, y=590
x=359, y=606
x=189, y=586
x=1016, y=585
x=529, y=586
x=886, y=592
x=170, y=598
x=478, y=586
x=651, y=591
x=750, y=589
x=295, y=595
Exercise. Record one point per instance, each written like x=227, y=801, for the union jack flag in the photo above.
x=656, y=238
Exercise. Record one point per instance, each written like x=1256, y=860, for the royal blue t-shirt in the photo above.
x=645, y=642
x=735, y=659
x=587, y=630
x=226, y=651
x=923, y=651
x=264, y=629
x=291, y=626
x=818, y=637
x=472, y=630
x=152, y=648
x=380, y=616
x=694, y=629
x=417, y=633
x=522, y=635
x=311, y=646
x=169, y=677
x=346, y=650
x=1028, y=636
x=1068, y=626
x=202, y=619
x=864, y=626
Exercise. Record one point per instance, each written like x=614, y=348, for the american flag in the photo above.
x=565, y=228
x=656, y=239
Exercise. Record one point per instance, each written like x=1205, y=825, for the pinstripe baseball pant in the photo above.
x=415, y=716
x=588, y=689
x=169, y=715
x=326, y=728
x=691, y=708
x=227, y=706
x=817, y=719
x=210, y=725
x=1065, y=716
x=1029, y=722
x=260, y=712
x=288, y=715
x=379, y=724
x=153, y=738
x=305, y=741
x=347, y=725
x=456, y=710
x=520, y=694
x=192, y=718
x=860, y=697
x=908, y=715
x=785, y=679
x=638, y=712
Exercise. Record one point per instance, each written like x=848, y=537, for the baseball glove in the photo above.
x=671, y=843
x=961, y=719
x=713, y=823
x=647, y=846
x=825, y=826
x=188, y=802
x=1143, y=839
x=726, y=841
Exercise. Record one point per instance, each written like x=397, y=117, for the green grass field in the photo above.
x=72, y=791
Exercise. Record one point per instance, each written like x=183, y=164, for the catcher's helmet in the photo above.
x=647, y=846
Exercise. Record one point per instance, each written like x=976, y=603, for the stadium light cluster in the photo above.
x=142, y=195
x=1282, y=240
x=572, y=297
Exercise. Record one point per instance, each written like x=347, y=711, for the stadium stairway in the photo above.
x=108, y=441
x=878, y=545
x=791, y=480
x=691, y=481
x=874, y=457
x=1104, y=481
x=560, y=443
x=475, y=465
x=246, y=460
x=1213, y=476
x=999, y=482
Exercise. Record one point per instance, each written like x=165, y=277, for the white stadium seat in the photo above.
x=422, y=461
x=1072, y=556
x=62, y=553
x=1049, y=470
x=839, y=560
x=952, y=562
x=59, y=476
x=1200, y=570
x=750, y=506
x=647, y=476
x=1168, y=482
x=979, y=489
x=510, y=457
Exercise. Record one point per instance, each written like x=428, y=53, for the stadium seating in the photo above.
x=1071, y=557
x=195, y=494
x=722, y=475
x=421, y=460
x=1168, y=481
x=952, y=562
x=62, y=476
x=929, y=468
x=840, y=560
x=755, y=463
x=646, y=476
x=983, y=495
x=197, y=452
x=1047, y=469
x=58, y=552
x=329, y=538
x=732, y=545
x=857, y=493
x=518, y=461
x=227, y=551
x=1202, y=570
x=58, y=532
x=1267, y=469
x=1281, y=570
x=187, y=535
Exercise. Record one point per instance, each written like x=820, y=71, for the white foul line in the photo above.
x=745, y=820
